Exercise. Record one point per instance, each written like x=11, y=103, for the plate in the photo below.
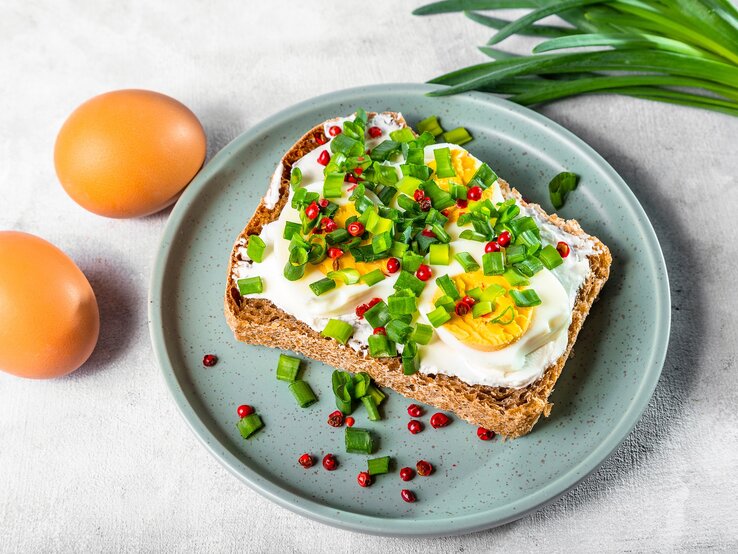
x=476, y=485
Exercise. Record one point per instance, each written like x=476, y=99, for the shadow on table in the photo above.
x=681, y=367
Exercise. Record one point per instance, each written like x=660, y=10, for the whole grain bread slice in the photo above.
x=511, y=412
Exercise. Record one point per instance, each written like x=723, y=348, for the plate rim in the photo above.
x=412, y=527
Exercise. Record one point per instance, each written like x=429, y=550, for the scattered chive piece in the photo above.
x=444, y=168
x=529, y=266
x=337, y=329
x=430, y=125
x=468, y=234
x=290, y=228
x=439, y=254
x=398, y=331
x=381, y=347
x=371, y=408
x=249, y=425
x=373, y=277
x=457, y=136
x=407, y=280
x=422, y=333
x=337, y=236
x=501, y=318
x=481, y=308
x=492, y=292
x=467, y=261
x=287, y=368
x=525, y=298
x=409, y=366
x=322, y=285
x=530, y=240
x=378, y=315
x=333, y=184
x=438, y=317
x=341, y=382
x=376, y=393
x=378, y=466
x=250, y=285
x=403, y=135
x=516, y=253
x=446, y=284
x=255, y=248
x=493, y=263
x=381, y=242
x=295, y=177
x=361, y=382
x=515, y=278
x=358, y=441
x=403, y=302
x=303, y=394
x=411, y=261
x=550, y=257
x=348, y=275
x=446, y=302
x=560, y=186
x=408, y=185
x=475, y=293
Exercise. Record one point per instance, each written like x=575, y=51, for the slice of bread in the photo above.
x=511, y=412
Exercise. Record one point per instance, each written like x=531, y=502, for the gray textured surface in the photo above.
x=101, y=461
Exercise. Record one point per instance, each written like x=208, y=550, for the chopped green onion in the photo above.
x=447, y=285
x=438, y=317
x=361, y=382
x=484, y=177
x=250, y=285
x=408, y=185
x=529, y=266
x=468, y=234
x=525, y=298
x=439, y=197
x=344, y=144
x=373, y=277
x=398, y=249
x=457, y=136
x=407, y=280
x=378, y=315
x=378, y=466
x=560, y=186
x=422, y=333
x=409, y=366
x=333, y=184
x=381, y=242
x=348, y=276
x=403, y=302
x=290, y=228
x=317, y=251
x=303, y=394
x=493, y=263
x=397, y=330
x=249, y=425
x=376, y=393
x=411, y=261
x=342, y=384
x=358, y=441
x=415, y=155
x=371, y=408
x=444, y=167
x=525, y=223
x=381, y=347
x=403, y=135
x=322, y=285
x=439, y=254
x=339, y=330
x=255, y=248
x=475, y=293
x=515, y=278
x=338, y=236
x=384, y=150
x=430, y=125
x=500, y=318
x=440, y=233
x=294, y=272
x=446, y=302
x=458, y=192
x=530, y=240
x=295, y=177
x=516, y=253
x=287, y=368
x=550, y=257
x=481, y=308
x=490, y=293
x=467, y=262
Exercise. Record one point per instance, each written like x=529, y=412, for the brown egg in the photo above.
x=49, y=321
x=128, y=153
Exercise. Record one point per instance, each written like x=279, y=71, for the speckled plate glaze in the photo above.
x=476, y=485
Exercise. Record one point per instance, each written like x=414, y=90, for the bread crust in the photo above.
x=511, y=412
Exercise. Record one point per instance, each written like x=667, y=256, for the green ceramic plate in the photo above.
x=477, y=484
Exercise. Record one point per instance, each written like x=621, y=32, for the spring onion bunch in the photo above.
x=677, y=51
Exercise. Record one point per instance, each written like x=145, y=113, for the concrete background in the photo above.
x=101, y=460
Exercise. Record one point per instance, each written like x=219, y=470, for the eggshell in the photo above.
x=128, y=153
x=49, y=320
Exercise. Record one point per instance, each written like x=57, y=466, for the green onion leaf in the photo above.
x=250, y=285
x=439, y=254
x=287, y=368
x=373, y=277
x=358, y=441
x=493, y=263
x=550, y=257
x=295, y=177
x=378, y=315
x=332, y=186
x=457, y=136
x=381, y=347
x=515, y=278
x=348, y=276
x=430, y=125
x=560, y=186
x=322, y=285
x=249, y=425
x=372, y=412
x=446, y=284
x=304, y=395
x=467, y=261
x=481, y=308
x=403, y=135
x=422, y=333
x=411, y=261
x=444, y=168
x=255, y=248
x=339, y=330
x=438, y=317
x=407, y=280
x=525, y=298
x=446, y=302
x=529, y=266
x=378, y=466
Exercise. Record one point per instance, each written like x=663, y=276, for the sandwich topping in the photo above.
x=395, y=245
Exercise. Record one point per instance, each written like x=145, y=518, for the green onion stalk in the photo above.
x=678, y=51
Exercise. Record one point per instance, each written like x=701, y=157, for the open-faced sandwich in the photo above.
x=376, y=249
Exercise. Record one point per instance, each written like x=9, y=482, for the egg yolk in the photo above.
x=482, y=333
x=344, y=212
